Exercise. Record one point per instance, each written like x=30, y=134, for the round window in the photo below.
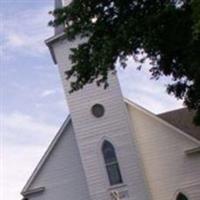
x=98, y=110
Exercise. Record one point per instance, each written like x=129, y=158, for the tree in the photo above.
x=166, y=32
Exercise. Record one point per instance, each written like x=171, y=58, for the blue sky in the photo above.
x=32, y=100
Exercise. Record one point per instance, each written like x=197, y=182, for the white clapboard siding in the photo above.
x=162, y=148
x=90, y=131
x=62, y=173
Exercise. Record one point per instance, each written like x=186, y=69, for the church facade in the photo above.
x=109, y=148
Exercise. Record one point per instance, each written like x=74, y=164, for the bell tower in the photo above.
x=104, y=136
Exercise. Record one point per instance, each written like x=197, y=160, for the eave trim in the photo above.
x=33, y=191
x=193, y=151
x=46, y=155
x=54, y=38
x=50, y=41
x=161, y=120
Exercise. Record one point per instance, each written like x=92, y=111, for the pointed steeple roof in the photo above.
x=58, y=29
x=58, y=4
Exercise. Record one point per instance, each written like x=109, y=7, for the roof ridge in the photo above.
x=170, y=111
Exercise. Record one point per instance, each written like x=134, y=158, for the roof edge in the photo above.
x=162, y=113
x=149, y=113
x=33, y=191
x=193, y=151
x=46, y=155
x=51, y=40
x=54, y=38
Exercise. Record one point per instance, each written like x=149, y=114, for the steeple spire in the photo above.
x=58, y=4
x=60, y=28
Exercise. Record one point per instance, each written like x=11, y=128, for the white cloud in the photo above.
x=22, y=129
x=15, y=40
x=25, y=32
x=24, y=140
x=18, y=162
x=49, y=92
x=150, y=94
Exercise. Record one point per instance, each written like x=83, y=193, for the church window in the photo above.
x=181, y=197
x=98, y=110
x=111, y=163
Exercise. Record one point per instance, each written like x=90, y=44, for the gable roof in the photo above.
x=182, y=119
x=46, y=155
x=157, y=117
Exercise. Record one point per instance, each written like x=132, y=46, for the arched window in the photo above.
x=111, y=163
x=181, y=197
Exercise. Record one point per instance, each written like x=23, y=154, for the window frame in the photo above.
x=181, y=195
x=111, y=164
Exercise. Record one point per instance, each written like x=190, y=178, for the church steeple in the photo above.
x=58, y=29
x=98, y=115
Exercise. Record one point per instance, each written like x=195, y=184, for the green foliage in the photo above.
x=196, y=17
x=165, y=31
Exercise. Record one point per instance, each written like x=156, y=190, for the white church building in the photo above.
x=109, y=148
